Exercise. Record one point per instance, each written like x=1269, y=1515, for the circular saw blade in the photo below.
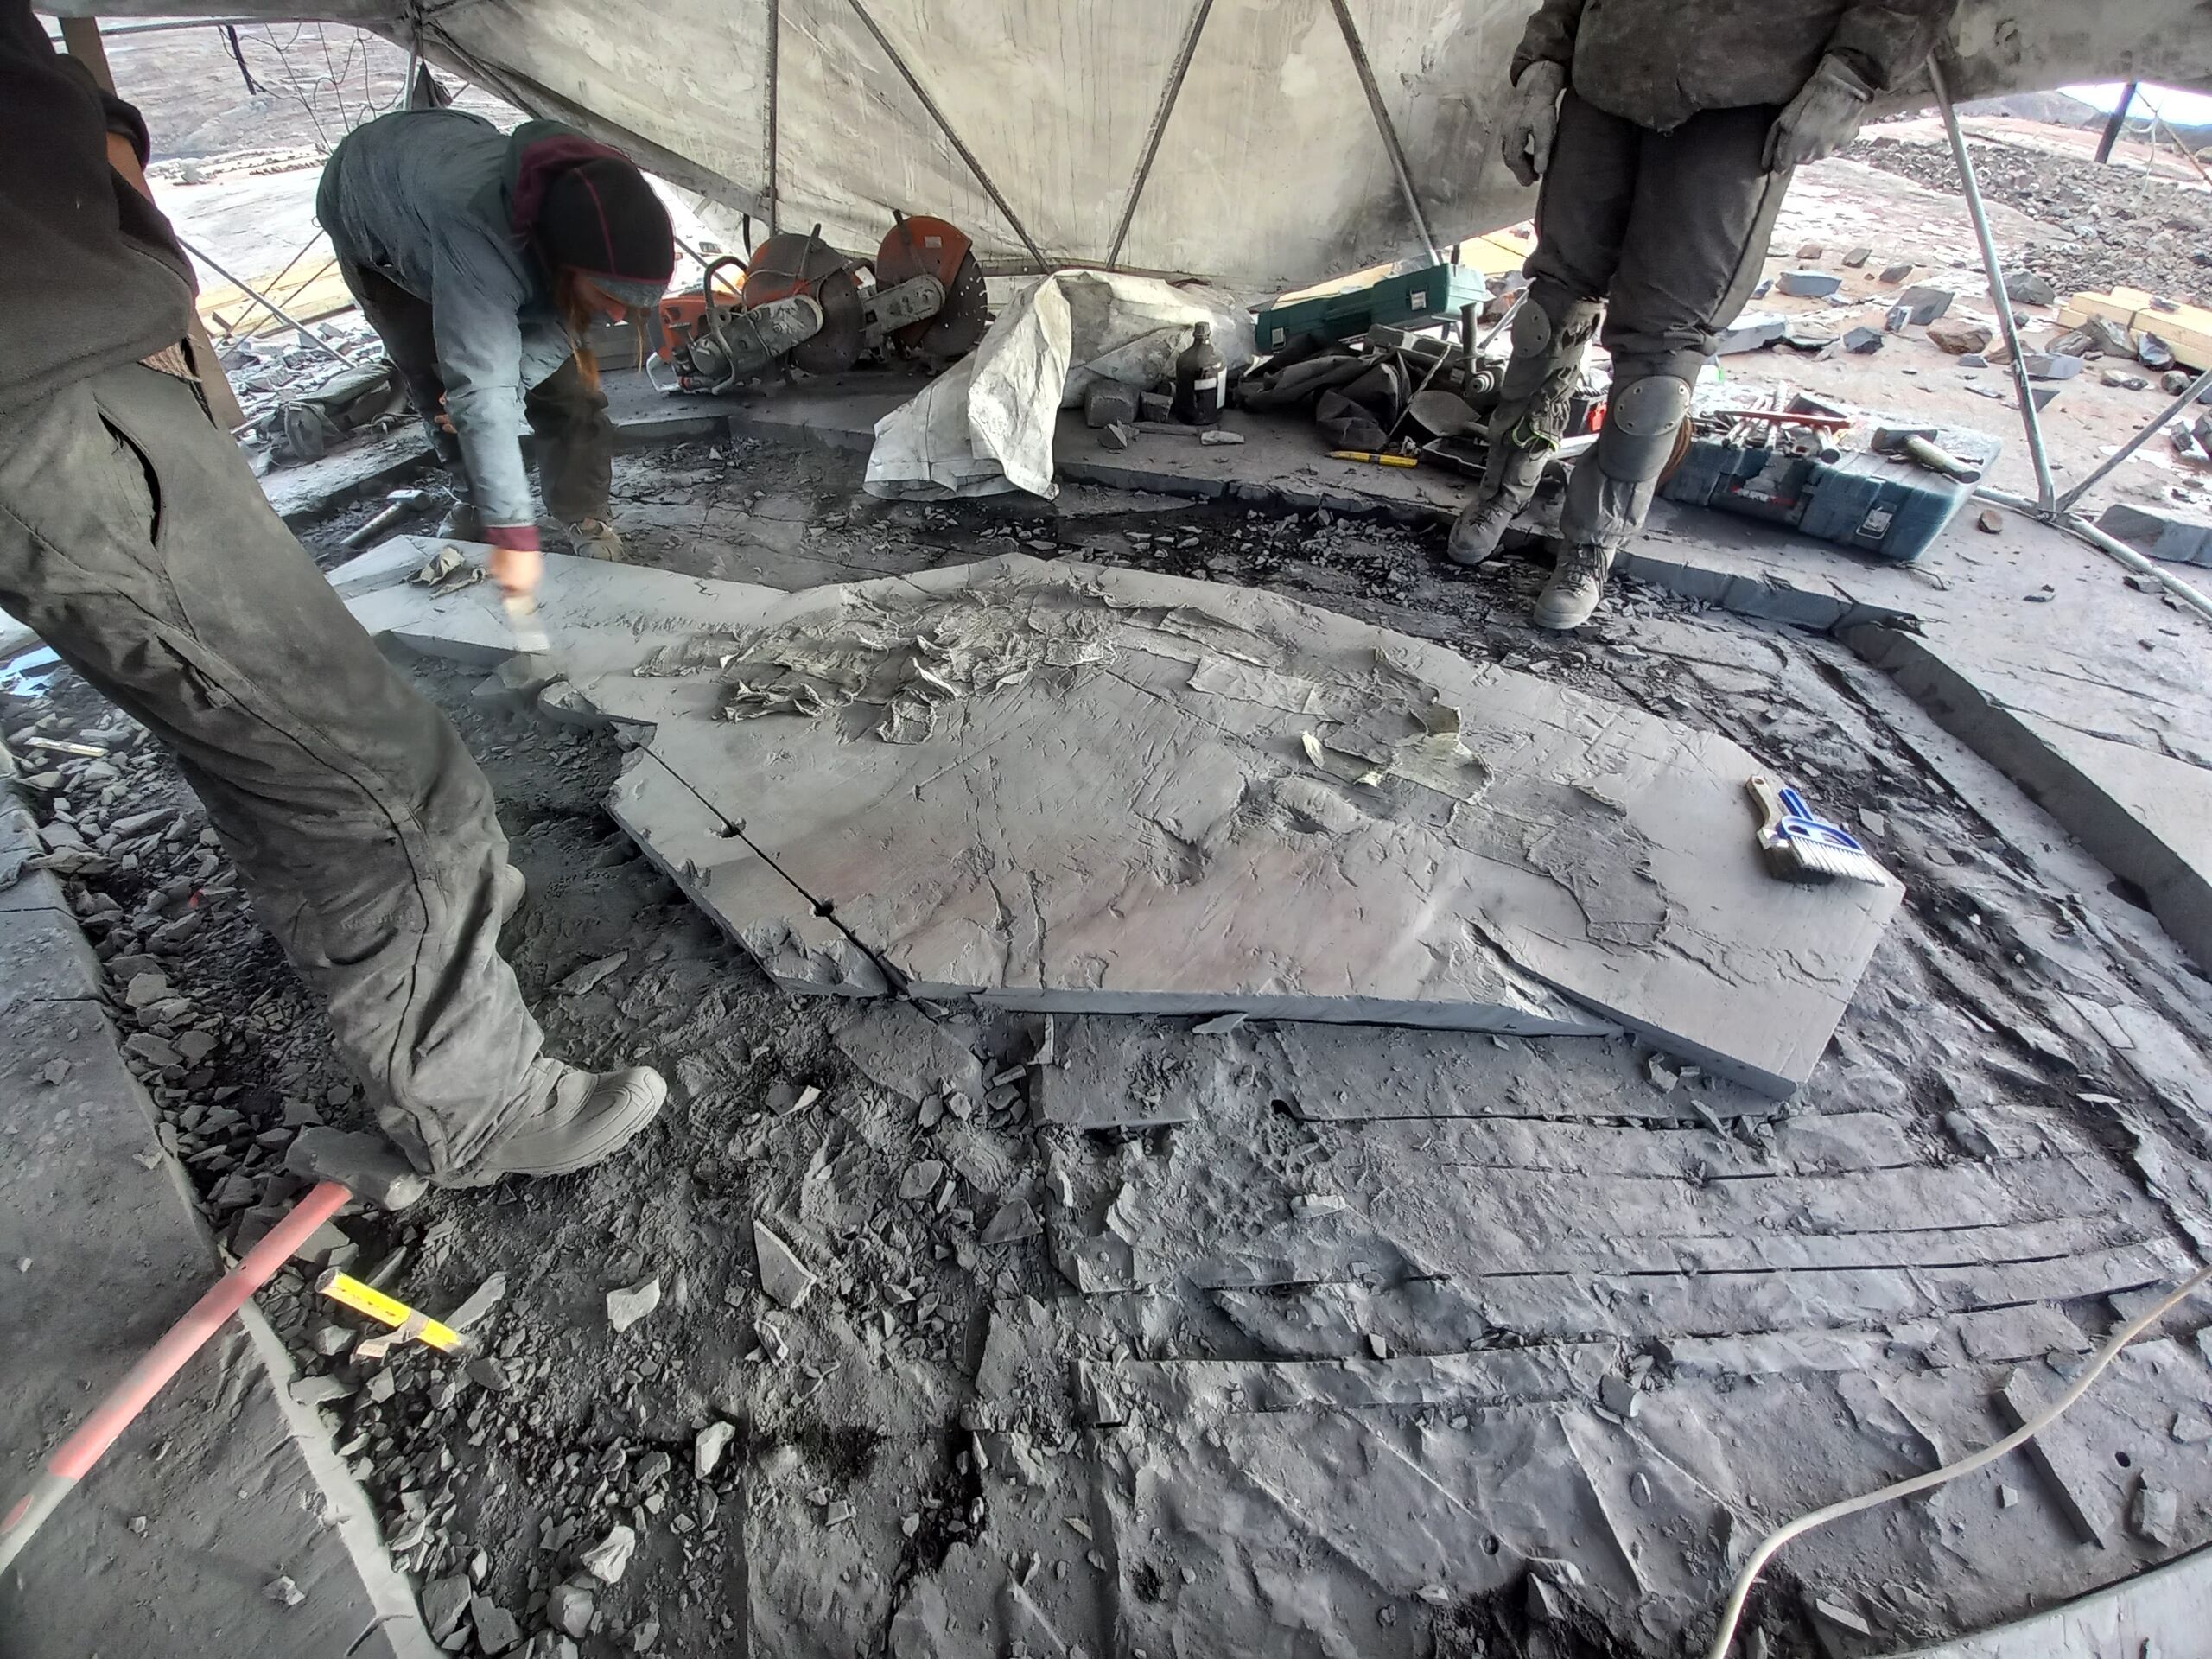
x=800, y=262
x=922, y=245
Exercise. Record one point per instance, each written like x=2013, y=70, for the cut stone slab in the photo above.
x=1116, y=1074
x=2171, y=533
x=1062, y=788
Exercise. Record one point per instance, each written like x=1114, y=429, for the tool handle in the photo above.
x=1800, y=822
x=74, y=1458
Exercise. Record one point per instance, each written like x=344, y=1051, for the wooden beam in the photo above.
x=80, y=38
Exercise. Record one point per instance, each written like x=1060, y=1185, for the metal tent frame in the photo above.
x=2052, y=505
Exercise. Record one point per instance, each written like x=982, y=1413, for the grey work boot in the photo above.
x=1527, y=426
x=1611, y=490
x=1578, y=583
x=594, y=538
x=589, y=1117
x=1509, y=479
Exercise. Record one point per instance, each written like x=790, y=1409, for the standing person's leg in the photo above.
x=1696, y=238
x=575, y=458
x=403, y=324
x=136, y=540
x=1582, y=213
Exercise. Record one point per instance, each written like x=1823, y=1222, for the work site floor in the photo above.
x=1499, y=1382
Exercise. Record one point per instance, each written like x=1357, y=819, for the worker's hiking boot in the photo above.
x=463, y=522
x=1480, y=527
x=589, y=1117
x=1578, y=583
x=594, y=538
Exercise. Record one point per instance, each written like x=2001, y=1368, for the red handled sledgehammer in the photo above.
x=345, y=1166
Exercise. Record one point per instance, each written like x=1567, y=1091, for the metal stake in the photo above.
x=270, y=306
x=2046, y=491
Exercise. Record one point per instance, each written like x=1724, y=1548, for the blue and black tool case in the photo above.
x=1891, y=509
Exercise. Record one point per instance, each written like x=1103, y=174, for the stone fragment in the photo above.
x=1811, y=251
x=608, y=1560
x=145, y=989
x=2025, y=287
x=2122, y=381
x=921, y=1179
x=1894, y=274
x=1958, y=336
x=783, y=1278
x=1108, y=401
x=319, y=1391
x=1808, y=284
x=2173, y=382
x=2152, y=352
x=1926, y=301
x=444, y=1601
x=707, y=1448
x=591, y=974
x=152, y=1049
x=495, y=1630
x=1118, y=437
x=1862, y=342
x=626, y=1307
x=1620, y=1396
x=283, y=1591
x=2154, y=1513
x=1854, y=258
x=1991, y=520
x=569, y=1608
x=2050, y=366
x=1013, y=1222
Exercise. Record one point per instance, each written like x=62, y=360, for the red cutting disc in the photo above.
x=919, y=246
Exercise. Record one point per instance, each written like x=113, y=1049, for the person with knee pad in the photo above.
x=1665, y=132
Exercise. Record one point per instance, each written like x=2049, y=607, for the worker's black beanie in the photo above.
x=601, y=217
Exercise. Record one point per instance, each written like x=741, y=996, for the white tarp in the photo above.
x=985, y=425
x=1230, y=139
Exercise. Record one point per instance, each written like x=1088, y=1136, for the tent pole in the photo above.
x=2046, y=491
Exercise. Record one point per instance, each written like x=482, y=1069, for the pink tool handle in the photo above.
x=74, y=1458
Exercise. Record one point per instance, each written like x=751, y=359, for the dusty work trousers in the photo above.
x=575, y=439
x=136, y=540
x=1669, y=229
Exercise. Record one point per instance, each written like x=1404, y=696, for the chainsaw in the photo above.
x=801, y=305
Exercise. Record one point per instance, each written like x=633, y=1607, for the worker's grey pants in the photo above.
x=135, y=539
x=1669, y=229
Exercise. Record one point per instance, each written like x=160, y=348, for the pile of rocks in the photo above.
x=2108, y=225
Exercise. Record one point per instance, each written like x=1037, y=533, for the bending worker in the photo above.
x=136, y=540
x=1665, y=132
x=481, y=259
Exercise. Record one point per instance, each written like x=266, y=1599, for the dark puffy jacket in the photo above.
x=1658, y=62
x=90, y=274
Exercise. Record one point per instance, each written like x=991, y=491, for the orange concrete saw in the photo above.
x=804, y=306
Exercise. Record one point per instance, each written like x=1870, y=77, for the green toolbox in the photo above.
x=1435, y=294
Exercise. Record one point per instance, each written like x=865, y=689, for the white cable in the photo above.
x=1804, y=1524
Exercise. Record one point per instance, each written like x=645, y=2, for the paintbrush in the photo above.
x=1801, y=847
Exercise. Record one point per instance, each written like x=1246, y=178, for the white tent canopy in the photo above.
x=1263, y=143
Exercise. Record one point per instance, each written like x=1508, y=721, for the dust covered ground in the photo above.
x=1501, y=1381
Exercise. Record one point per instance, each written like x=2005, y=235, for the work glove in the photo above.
x=1532, y=119
x=1822, y=119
